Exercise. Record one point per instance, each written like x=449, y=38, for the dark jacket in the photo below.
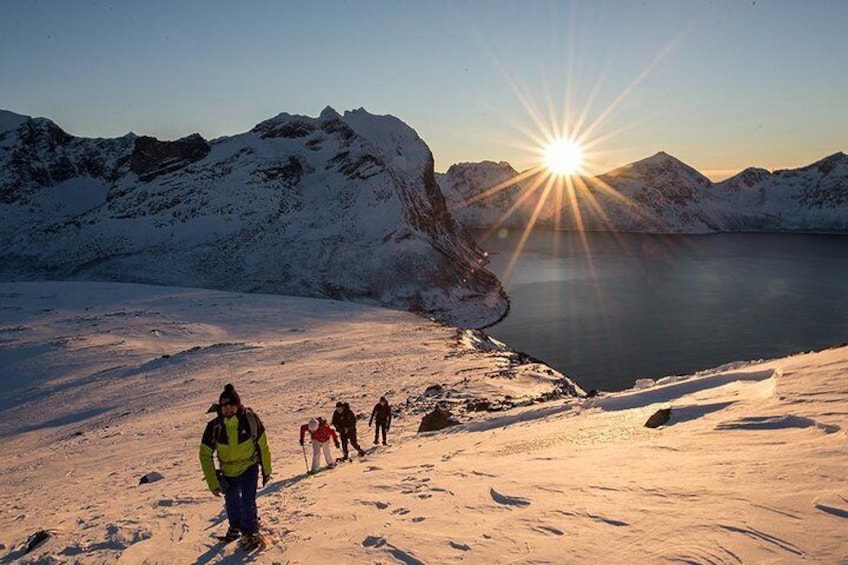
x=344, y=421
x=382, y=413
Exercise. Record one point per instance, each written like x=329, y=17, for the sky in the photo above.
x=721, y=85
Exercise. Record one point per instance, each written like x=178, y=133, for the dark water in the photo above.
x=625, y=306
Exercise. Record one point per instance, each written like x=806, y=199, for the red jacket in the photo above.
x=322, y=434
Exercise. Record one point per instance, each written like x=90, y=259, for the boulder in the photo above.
x=438, y=419
x=658, y=418
x=433, y=390
x=35, y=540
x=151, y=477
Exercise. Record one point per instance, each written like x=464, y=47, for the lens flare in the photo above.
x=564, y=157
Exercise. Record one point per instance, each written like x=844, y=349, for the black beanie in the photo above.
x=230, y=395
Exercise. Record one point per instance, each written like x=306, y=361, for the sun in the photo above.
x=564, y=157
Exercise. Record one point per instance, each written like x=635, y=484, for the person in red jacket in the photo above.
x=320, y=433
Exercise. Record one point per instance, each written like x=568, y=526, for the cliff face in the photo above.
x=342, y=206
x=660, y=194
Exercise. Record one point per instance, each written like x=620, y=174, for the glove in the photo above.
x=301, y=441
x=265, y=479
x=338, y=446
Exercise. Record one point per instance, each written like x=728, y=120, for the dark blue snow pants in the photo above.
x=241, y=500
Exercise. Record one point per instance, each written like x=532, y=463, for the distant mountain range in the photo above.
x=659, y=194
x=339, y=206
x=342, y=206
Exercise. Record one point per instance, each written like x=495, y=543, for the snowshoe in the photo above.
x=252, y=542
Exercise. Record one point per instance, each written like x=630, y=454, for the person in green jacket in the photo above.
x=239, y=438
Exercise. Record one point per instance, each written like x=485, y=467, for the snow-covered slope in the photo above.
x=482, y=195
x=659, y=194
x=812, y=198
x=335, y=206
x=106, y=382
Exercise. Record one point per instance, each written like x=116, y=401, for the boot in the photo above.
x=249, y=542
x=232, y=534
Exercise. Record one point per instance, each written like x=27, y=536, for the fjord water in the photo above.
x=614, y=308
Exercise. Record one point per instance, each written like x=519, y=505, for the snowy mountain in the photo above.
x=660, y=194
x=482, y=194
x=336, y=206
x=107, y=383
x=812, y=198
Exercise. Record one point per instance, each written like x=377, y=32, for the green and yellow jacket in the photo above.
x=240, y=442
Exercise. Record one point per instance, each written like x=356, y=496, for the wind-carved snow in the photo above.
x=118, y=379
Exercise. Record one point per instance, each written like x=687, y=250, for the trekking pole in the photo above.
x=305, y=462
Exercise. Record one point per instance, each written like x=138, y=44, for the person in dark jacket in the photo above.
x=238, y=437
x=382, y=412
x=344, y=420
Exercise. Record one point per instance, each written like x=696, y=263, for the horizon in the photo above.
x=729, y=174
x=716, y=84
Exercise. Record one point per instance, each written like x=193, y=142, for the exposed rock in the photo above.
x=658, y=418
x=438, y=419
x=433, y=390
x=35, y=540
x=151, y=477
x=152, y=157
x=478, y=405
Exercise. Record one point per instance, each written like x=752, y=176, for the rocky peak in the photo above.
x=744, y=180
x=151, y=157
x=831, y=162
x=11, y=121
x=662, y=166
x=285, y=126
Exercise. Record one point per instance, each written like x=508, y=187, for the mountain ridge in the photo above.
x=659, y=194
x=339, y=206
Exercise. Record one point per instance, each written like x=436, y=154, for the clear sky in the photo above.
x=721, y=84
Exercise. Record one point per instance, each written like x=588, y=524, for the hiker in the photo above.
x=344, y=420
x=320, y=433
x=382, y=412
x=239, y=438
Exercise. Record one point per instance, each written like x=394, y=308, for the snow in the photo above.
x=297, y=206
x=72, y=197
x=659, y=194
x=105, y=383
